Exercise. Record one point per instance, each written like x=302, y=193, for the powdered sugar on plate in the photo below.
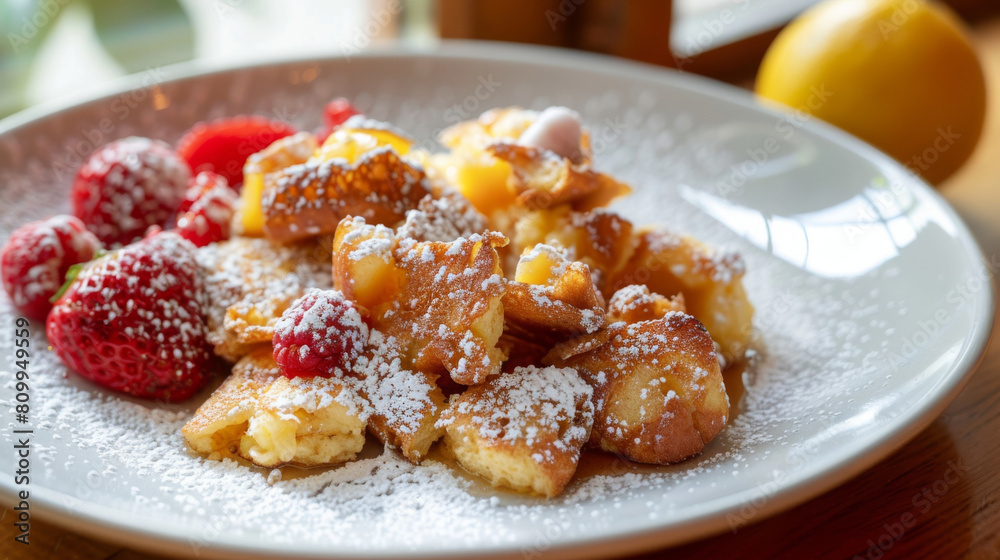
x=821, y=392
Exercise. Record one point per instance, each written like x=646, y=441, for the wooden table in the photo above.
x=959, y=452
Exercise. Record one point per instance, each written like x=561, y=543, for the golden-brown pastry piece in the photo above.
x=249, y=282
x=636, y=303
x=405, y=403
x=443, y=219
x=282, y=153
x=711, y=281
x=659, y=396
x=522, y=430
x=310, y=199
x=260, y=415
x=552, y=299
x=440, y=301
x=602, y=240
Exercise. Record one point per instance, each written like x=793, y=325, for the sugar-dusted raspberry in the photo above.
x=321, y=334
x=207, y=210
x=36, y=258
x=128, y=186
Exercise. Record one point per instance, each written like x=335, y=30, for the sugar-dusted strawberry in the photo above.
x=207, y=210
x=128, y=186
x=334, y=114
x=133, y=320
x=320, y=333
x=223, y=146
x=36, y=257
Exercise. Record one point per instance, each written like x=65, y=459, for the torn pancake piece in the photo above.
x=405, y=404
x=659, y=396
x=270, y=420
x=523, y=430
x=310, y=199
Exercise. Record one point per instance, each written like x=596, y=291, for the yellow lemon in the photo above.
x=900, y=74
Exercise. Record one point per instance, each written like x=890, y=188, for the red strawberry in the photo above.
x=334, y=115
x=127, y=186
x=207, y=210
x=133, y=321
x=36, y=257
x=320, y=333
x=223, y=146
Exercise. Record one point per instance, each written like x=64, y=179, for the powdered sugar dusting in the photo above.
x=818, y=386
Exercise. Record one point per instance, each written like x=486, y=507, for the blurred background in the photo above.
x=54, y=48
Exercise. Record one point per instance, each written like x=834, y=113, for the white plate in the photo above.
x=873, y=307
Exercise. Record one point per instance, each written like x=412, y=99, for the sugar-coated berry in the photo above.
x=37, y=256
x=320, y=334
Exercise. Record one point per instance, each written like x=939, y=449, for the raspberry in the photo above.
x=127, y=186
x=207, y=210
x=321, y=334
x=133, y=321
x=36, y=258
x=334, y=115
x=223, y=146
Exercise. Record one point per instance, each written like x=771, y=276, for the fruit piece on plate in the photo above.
x=522, y=430
x=223, y=146
x=207, y=210
x=36, y=258
x=360, y=135
x=133, y=321
x=320, y=334
x=128, y=186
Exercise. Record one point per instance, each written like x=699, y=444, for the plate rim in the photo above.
x=98, y=520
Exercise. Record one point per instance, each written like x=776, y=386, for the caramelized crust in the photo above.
x=602, y=240
x=443, y=300
x=636, y=303
x=711, y=281
x=658, y=392
x=522, y=430
x=310, y=199
x=566, y=305
x=261, y=416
